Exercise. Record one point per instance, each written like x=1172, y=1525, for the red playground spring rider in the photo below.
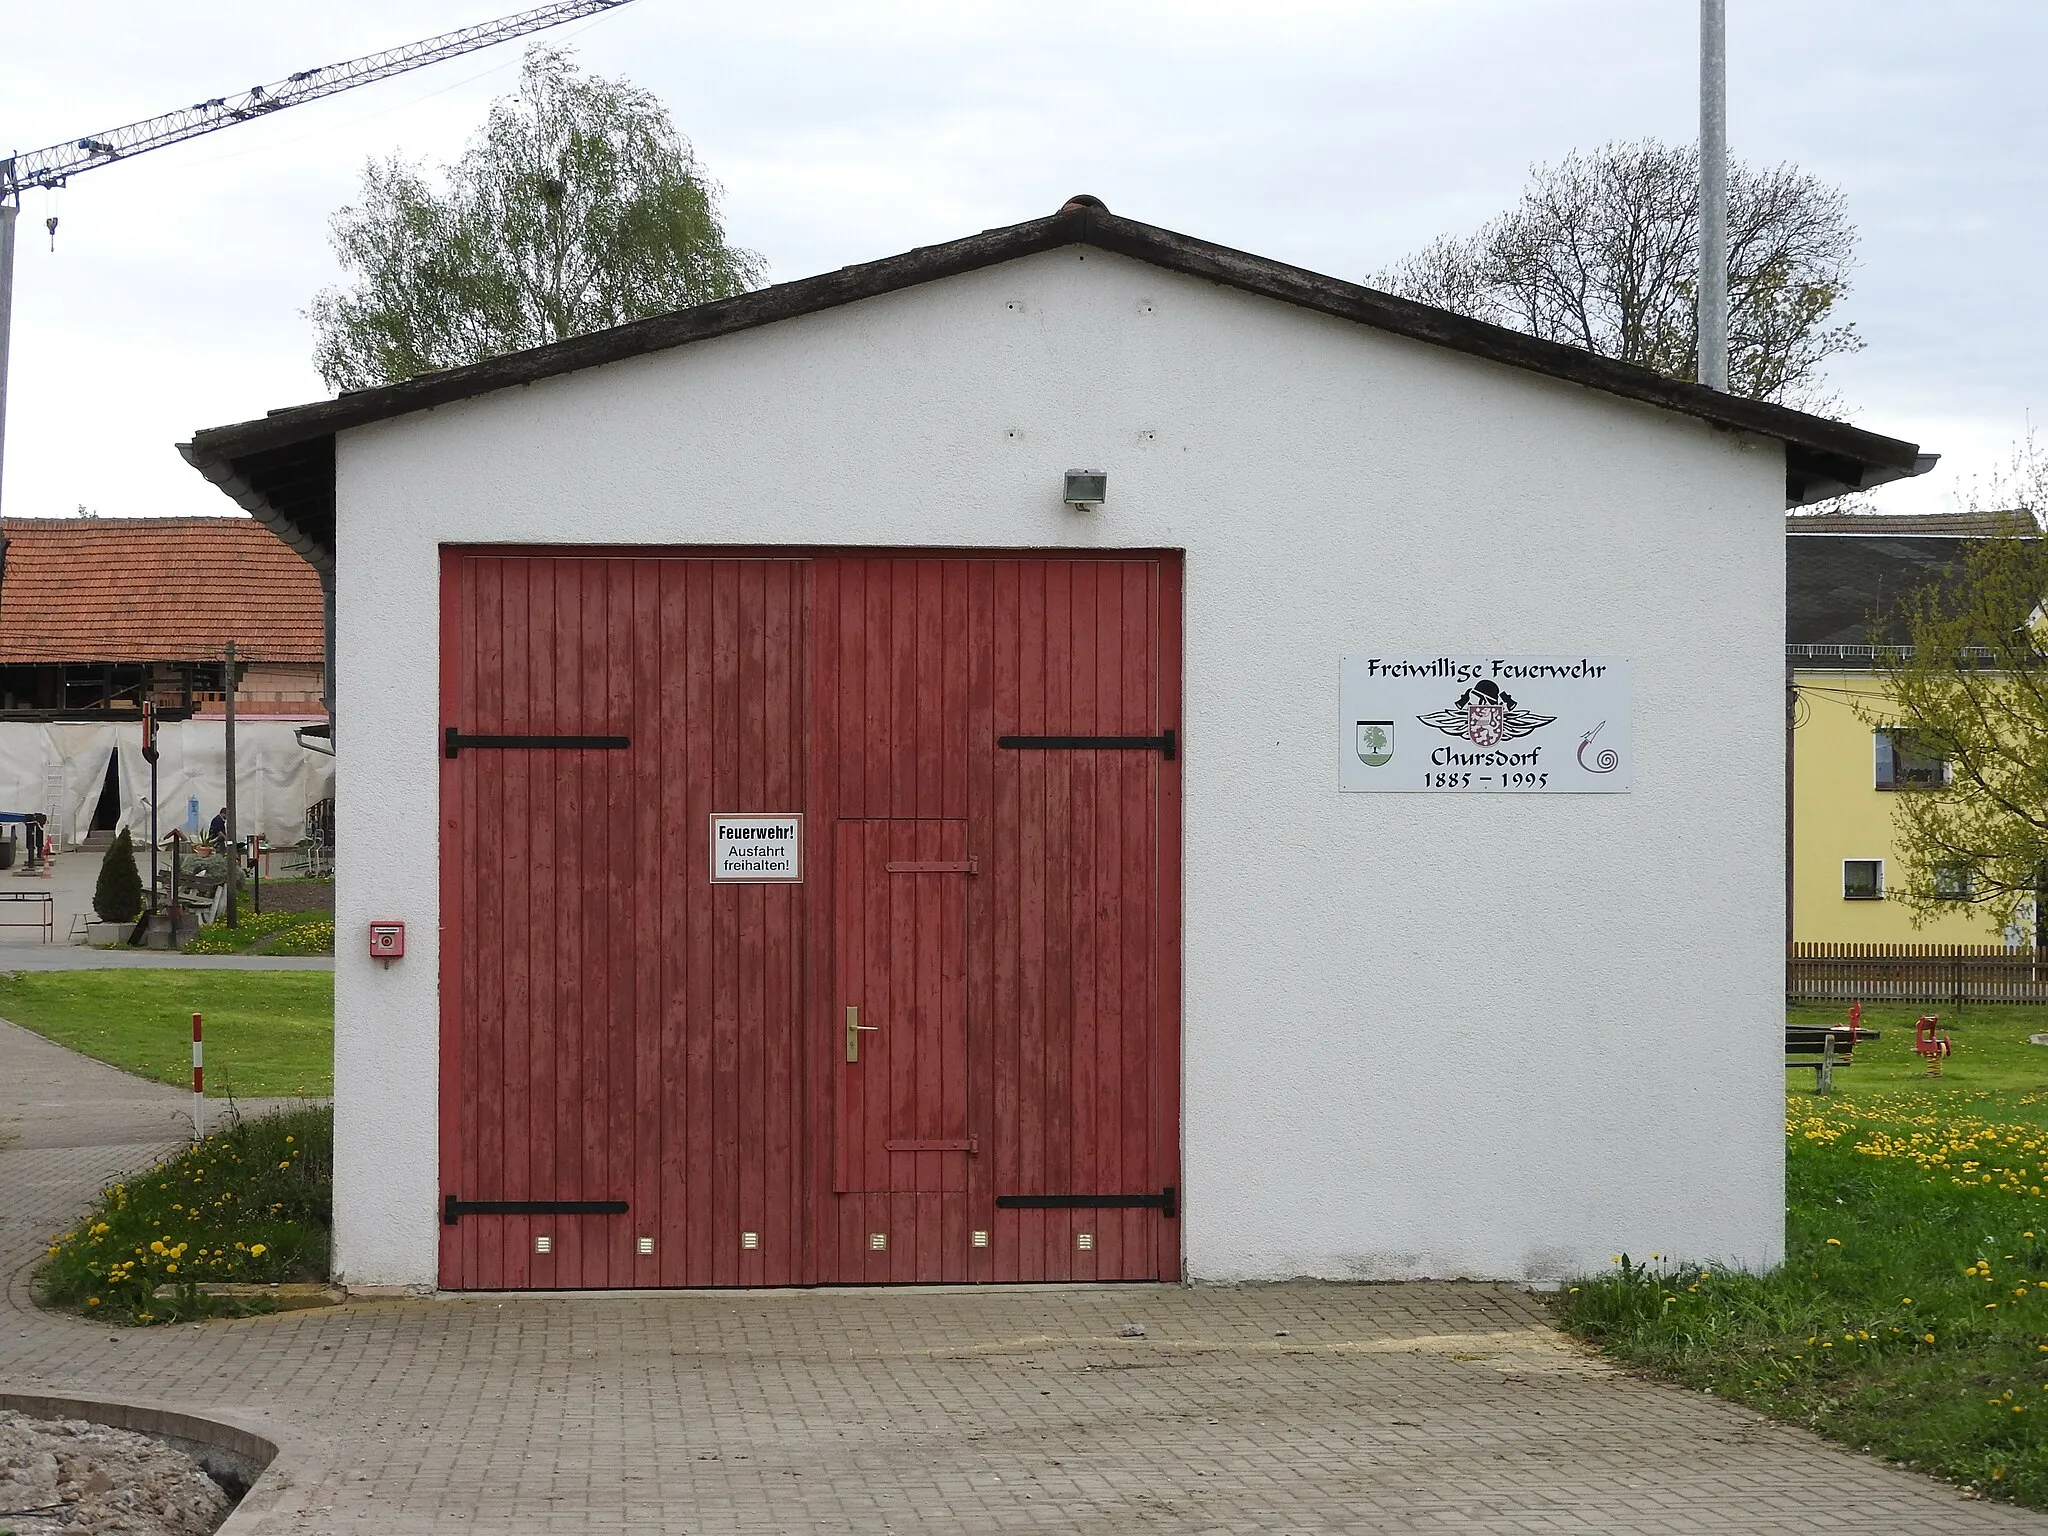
x=1929, y=1042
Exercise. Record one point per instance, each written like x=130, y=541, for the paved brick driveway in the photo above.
x=1417, y=1408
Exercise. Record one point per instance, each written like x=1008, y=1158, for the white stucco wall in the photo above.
x=1504, y=1036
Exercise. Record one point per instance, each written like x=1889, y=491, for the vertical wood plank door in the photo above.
x=646, y=1075
x=1024, y=701
x=1083, y=892
x=620, y=1039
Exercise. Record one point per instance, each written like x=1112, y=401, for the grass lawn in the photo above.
x=1911, y=1313
x=268, y=1033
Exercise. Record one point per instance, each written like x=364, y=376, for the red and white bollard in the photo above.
x=198, y=1083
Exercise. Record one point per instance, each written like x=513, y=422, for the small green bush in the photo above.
x=252, y=1202
x=117, y=898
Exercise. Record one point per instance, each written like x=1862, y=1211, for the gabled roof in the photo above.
x=96, y=589
x=1846, y=589
x=1848, y=574
x=2015, y=522
x=281, y=468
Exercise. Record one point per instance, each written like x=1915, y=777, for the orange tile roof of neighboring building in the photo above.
x=132, y=589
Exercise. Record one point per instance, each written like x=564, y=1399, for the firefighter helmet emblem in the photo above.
x=1485, y=716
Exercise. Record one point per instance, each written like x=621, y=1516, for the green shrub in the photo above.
x=252, y=1202
x=117, y=898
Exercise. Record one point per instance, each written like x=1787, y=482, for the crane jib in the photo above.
x=53, y=166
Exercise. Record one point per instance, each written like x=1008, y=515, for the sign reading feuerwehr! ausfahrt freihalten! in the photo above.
x=1484, y=724
x=757, y=850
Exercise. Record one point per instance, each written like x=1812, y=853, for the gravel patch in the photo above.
x=84, y=1479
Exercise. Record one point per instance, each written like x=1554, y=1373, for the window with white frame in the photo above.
x=1904, y=761
x=1952, y=882
x=1863, y=879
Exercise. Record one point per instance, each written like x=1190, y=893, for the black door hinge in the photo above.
x=1166, y=1202
x=453, y=741
x=453, y=1210
x=1163, y=744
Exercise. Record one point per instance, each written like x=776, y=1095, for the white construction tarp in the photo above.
x=60, y=769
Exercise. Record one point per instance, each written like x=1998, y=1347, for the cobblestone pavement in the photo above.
x=1289, y=1408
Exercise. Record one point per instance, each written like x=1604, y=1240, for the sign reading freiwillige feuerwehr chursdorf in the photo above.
x=1477, y=725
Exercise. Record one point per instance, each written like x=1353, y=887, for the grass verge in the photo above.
x=1911, y=1314
x=268, y=1033
x=268, y=933
x=315, y=936
x=253, y=1202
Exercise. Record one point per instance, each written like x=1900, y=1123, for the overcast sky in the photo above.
x=1334, y=135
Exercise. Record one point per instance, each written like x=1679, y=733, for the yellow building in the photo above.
x=1846, y=575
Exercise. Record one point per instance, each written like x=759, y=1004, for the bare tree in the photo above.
x=1602, y=252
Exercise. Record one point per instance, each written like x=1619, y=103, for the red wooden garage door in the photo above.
x=949, y=1052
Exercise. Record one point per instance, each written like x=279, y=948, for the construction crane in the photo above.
x=54, y=166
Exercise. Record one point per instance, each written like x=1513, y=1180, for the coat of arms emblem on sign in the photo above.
x=1375, y=742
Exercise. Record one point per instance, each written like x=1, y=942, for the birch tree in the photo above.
x=577, y=206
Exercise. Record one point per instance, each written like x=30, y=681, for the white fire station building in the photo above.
x=1076, y=753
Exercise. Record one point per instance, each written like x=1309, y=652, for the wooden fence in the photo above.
x=1915, y=973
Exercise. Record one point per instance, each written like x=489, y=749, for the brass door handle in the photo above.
x=854, y=1027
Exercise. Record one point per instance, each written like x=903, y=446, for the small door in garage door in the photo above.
x=902, y=980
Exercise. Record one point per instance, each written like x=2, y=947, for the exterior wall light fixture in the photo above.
x=1087, y=489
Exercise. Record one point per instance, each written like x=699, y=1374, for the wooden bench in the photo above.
x=1823, y=1047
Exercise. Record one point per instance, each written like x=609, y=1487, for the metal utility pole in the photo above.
x=234, y=683
x=1713, y=306
x=149, y=755
x=54, y=166
x=9, y=210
